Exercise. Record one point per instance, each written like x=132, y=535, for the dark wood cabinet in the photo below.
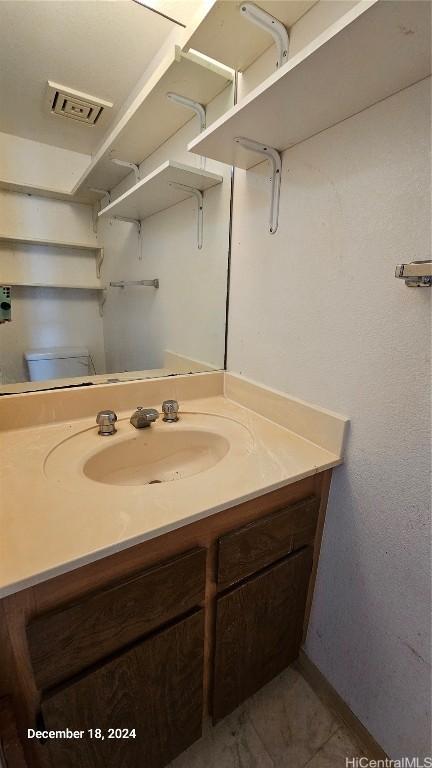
x=156, y=688
x=259, y=630
x=262, y=542
x=157, y=636
x=68, y=640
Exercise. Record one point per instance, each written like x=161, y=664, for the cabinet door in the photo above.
x=258, y=630
x=155, y=688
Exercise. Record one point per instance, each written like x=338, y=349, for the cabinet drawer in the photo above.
x=156, y=688
x=66, y=641
x=260, y=543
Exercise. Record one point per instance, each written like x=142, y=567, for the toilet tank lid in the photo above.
x=56, y=353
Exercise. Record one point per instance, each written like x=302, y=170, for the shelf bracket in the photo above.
x=139, y=227
x=198, y=195
x=102, y=300
x=196, y=107
x=99, y=261
x=104, y=192
x=270, y=24
x=137, y=222
x=276, y=164
x=126, y=164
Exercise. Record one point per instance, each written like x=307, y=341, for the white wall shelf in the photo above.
x=370, y=53
x=45, y=241
x=151, y=119
x=159, y=190
x=40, y=241
x=228, y=37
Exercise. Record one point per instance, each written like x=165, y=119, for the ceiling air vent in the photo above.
x=78, y=106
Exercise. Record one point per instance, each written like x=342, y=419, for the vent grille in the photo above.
x=76, y=105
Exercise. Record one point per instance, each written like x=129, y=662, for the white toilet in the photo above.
x=57, y=363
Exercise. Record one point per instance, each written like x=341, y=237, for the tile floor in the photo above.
x=285, y=725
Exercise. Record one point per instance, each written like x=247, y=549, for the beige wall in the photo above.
x=315, y=311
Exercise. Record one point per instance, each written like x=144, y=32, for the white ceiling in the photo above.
x=101, y=47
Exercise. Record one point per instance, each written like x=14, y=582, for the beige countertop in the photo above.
x=55, y=519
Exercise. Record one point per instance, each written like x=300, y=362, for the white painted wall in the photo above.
x=45, y=317
x=315, y=311
x=186, y=315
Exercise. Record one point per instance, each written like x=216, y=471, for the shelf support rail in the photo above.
x=198, y=195
x=196, y=107
x=270, y=24
x=275, y=160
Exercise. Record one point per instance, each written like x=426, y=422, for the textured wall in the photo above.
x=315, y=311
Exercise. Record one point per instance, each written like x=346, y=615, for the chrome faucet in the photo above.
x=106, y=421
x=170, y=410
x=143, y=417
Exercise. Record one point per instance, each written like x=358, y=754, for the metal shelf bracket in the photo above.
x=196, y=107
x=137, y=222
x=198, y=195
x=276, y=164
x=102, y=300
x=139, y=227
x=270, y=24
x=126, y=164
x=105, y=192
x=99, y=261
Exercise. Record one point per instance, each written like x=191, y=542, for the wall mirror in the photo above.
x=114, y=239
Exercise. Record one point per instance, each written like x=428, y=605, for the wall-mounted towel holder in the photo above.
x=417, y=274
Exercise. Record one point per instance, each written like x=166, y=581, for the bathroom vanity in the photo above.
x=136, y=610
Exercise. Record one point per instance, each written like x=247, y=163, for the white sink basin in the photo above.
x=153, y=456
x=161, y=453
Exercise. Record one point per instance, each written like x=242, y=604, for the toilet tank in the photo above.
x=57, y=363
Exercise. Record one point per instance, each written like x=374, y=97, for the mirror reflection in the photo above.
x=114, y=238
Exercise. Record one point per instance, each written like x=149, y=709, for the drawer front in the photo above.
x=68, y=640
x=155, y=687
x=247, y=550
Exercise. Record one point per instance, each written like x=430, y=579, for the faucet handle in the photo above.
x=106, y=421
x=170, y=410
x=143, y=417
